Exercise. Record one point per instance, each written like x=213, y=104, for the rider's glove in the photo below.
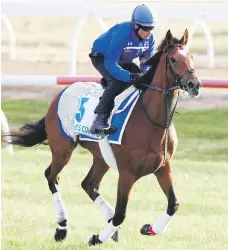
x=134, y=79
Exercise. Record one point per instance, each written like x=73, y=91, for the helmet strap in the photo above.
x=136, y=32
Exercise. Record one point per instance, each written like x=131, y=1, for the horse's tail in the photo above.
x=29, y=135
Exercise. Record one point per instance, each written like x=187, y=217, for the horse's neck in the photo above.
x=154, y=100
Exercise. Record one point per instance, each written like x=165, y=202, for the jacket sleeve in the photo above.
x=147, y=54
x=113, y=53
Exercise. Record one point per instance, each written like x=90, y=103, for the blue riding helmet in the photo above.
x=144, y=16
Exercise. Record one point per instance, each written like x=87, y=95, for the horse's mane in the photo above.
x=154, y=60
x=161, y=47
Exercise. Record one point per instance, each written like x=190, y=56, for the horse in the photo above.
x=148, y=145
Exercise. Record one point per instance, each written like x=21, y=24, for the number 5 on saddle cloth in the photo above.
x=77, y=103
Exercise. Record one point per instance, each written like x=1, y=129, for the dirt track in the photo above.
x=209, y=98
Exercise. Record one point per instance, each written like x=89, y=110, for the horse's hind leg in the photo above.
x=125, y=183
x=165, y=180
x=91, y=185
x=61, y=149
x=58, y=162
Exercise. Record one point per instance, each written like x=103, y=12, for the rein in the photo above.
x=169, y=117
x=169, y=96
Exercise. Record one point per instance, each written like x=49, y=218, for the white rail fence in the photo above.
x=197, y=13
x=5, y=129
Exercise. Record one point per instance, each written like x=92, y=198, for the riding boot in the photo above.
x=105, y=106
x=100, y=123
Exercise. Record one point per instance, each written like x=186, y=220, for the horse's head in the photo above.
x=179, y=63
x=178, y=69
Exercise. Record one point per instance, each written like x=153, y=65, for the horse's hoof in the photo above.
x=94, y=240
x=147, y=230
x=60, y=234
x=116, y=236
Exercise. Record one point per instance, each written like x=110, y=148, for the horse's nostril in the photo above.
x=191, y=85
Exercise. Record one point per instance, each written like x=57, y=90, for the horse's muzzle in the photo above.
x=194, y=87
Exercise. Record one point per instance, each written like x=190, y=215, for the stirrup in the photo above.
x=107, y=131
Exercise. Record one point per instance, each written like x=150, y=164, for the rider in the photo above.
x=112, y=55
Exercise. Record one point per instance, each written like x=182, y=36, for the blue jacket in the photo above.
x=120, y=44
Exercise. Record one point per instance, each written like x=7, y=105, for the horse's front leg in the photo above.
x=164, y=178
x=125, y=183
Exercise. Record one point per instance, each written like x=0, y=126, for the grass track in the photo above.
x=200, y=169
x=29, y=217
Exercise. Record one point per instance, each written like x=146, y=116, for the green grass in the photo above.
x=200, y=170
x=202, y=135
x=22, y=111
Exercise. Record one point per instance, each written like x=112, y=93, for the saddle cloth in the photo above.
x=76, y=111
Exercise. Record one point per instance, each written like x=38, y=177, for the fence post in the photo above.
x=73, y=51
x=210, y=45
x=5, y=129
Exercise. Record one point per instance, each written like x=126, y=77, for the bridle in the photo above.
x=177, y=78
x=168, y=94
x=178, y=83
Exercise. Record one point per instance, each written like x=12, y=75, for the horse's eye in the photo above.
x=172, y=60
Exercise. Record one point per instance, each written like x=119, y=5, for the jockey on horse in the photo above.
x=112, y=55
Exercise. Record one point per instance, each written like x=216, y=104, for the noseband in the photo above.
x=178, y=84
x=177, y=78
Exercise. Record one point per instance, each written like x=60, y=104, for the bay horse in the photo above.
x=148, y=145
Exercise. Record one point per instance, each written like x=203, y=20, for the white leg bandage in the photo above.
x=105, y=208
x=60, y=210
x=161, y=224
x=107, y=232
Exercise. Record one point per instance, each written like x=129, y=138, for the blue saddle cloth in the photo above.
x=118, y=120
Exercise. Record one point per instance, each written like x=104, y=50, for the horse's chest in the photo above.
x=146, y=164
x=148, y=157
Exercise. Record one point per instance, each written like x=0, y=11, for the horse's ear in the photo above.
x=184, y=39
x=169, y=38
